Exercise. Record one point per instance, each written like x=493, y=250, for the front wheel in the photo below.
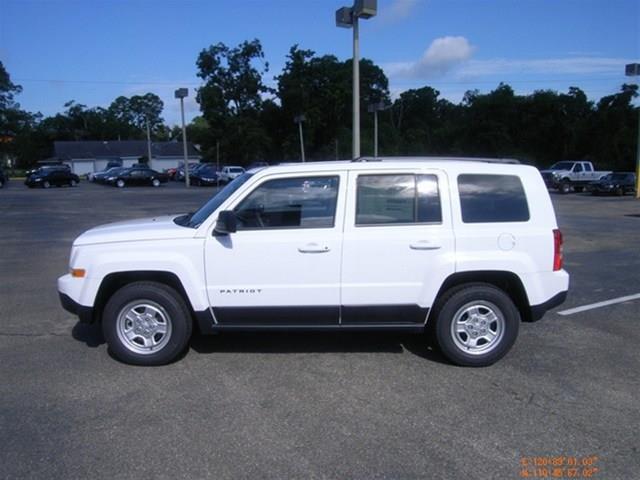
x=155, y=182
x=120, y=184
x=73, y=183
x=565, y=187
x=146, y=323
x=476, y=324
x=46, y=185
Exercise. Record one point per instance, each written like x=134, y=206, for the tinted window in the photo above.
x=397, y=199
x=492, y=198
x=577, y=168
x=304, y=202
x=587, y=168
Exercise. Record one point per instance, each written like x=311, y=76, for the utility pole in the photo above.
x=633, y=70
x=181, y=93
x=148, y=142
x=347, y=17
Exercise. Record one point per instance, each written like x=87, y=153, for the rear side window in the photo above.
x=397, y=199
x=492, y=198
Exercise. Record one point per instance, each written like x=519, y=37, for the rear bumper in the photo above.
x=538, y=311
x=85, y=314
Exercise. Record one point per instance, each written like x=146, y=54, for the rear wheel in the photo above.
x=73, y=183
x=476, y=324
x=46, y=184
x=120, y=183
x=155, y=182
x=146, y=323
x=619, y=192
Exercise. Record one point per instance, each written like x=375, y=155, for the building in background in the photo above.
x=92, y=156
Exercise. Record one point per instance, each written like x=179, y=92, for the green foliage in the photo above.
x=251, y=121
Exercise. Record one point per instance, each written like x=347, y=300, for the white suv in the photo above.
x=227, y=174
x=463, y=248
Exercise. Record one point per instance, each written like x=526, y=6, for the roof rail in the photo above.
x=439, y=159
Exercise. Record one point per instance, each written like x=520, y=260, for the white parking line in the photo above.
x=591, y=306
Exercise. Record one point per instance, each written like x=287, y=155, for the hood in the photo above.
x=156, y=228
x=548, y=170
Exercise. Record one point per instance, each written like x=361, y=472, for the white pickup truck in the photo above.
x=567, y=176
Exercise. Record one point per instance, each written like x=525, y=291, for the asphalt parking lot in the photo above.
x=311, y=405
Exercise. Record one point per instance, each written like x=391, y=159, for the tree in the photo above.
x=231, y=99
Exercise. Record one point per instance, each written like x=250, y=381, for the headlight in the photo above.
x=37, y=179
x=111, y=178
x=207, y=179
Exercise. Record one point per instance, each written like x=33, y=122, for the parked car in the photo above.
x=617, y=183
x=568, y=176
x=230, y=173
x=137, y=176
x=46, y=177
x=101, y=177
x=112, y=164
x=193, y=167
x=4, y=178
x=464, y=249
x=205, y=176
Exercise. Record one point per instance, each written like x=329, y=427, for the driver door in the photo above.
x=282, y=266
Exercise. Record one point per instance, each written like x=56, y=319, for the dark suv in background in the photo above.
x=46, y=177
x=617, y=183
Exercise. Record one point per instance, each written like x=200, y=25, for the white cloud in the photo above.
x=397, y=10
x=444, y=54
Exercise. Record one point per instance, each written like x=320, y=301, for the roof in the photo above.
x=119, y=148
x=457, y=164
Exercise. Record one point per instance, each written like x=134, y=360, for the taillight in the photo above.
x=557, y=250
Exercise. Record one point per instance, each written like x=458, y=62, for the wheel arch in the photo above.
x=116, y=280
x=506, y=281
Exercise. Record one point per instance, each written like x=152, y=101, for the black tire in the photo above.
x=120, y=183
x=46, y=184
x=156, y=294
x=1, y=184
x=619, y=192
x=564, y=187
x=155, y=182
x=490, y=298
x=73, y=183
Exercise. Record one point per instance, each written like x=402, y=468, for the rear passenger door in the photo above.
x=398, y=246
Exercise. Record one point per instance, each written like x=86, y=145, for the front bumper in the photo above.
x=70, y=293
x=85, y=314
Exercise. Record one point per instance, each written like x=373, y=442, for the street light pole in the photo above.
x=375, y=108
x=633, y=70
x=181, y=93
x=355, y=148
x=347, y=17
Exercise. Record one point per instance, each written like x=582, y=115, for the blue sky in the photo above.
x=91, y=51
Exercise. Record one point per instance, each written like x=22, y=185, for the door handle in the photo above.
x=423, y=245
x=313, y=248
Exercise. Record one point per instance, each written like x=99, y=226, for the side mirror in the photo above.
x=226, y=223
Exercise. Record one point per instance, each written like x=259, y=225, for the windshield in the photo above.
x=218, y=199
x=561, y=166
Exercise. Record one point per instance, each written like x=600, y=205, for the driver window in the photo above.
x=302, y=202
x=577, y=168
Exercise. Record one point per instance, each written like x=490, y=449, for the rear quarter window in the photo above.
x=492, y=198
